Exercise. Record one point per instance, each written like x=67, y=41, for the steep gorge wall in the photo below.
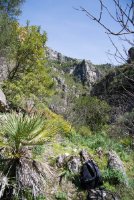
x=82, y=70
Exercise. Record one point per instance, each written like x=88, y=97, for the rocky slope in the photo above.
x=74, y=78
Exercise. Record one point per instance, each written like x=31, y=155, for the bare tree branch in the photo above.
x=123, y=17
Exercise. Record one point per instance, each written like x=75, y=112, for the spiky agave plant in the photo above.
x=17, y=133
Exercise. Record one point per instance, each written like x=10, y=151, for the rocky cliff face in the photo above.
x=82, y=70
x=86, y=73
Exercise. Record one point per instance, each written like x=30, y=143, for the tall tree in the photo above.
x=28, y=49
x=9, y=11
x=11, y=8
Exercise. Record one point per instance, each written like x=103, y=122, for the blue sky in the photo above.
x=70, y=31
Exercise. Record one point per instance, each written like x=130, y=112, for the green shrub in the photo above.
x=28, y=79
x=114, y=177
x=92, y=112
x=126, y=193
x=33, y=86
x=38, y=150
x=125, y=124
x=127, y=141
x=100, y=139
x=19, y=131
x=27, y=194
x=85, y=131
x=61, y=196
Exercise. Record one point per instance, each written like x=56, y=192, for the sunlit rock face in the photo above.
x=3, y=102
x=82, y=70
x=6, y=66
x=115, y=163
x=86, y=73
x=3, y=69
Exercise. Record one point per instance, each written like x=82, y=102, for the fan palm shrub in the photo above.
x=17, y=134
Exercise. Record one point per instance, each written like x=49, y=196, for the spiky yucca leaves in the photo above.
x=17, y=132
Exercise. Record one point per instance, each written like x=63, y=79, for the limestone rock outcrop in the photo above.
x=86, y=73
x=101, y=194
x=54, y=55
x=115, y=163
x=82, y=70
x=3, y=69
x=74, y=164
x=3, y=102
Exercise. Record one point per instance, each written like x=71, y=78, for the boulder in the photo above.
x=74, y=164
x=101, y=194
x=115, y=163
x=3, y=102
x=3, y=68
x=3, y=184
x=30, y=175
x=84, y=155
x=100, y=152
x=61, y=160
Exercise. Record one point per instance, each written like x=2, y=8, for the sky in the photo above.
x=70, y=31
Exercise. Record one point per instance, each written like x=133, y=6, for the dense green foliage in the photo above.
x=29, y=49
x=114, y=177
x=125, y=124
x=11, y=8
x=104, y=68
x=117, y=89
x=18, y=130
x=7, y=36
x=34, y=86
x=29, y=79
x=61, y=196
x=22, y=138
x=92, y=112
